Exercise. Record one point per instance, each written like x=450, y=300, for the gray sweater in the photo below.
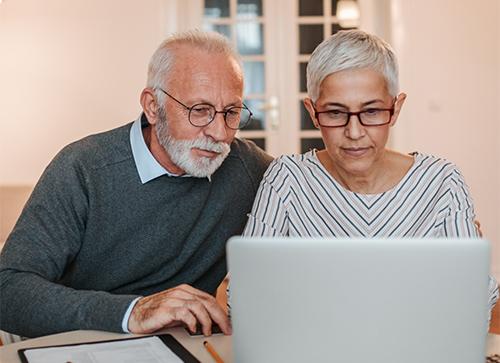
x=91, y=237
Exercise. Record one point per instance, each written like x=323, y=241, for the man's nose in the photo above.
x=217, y=129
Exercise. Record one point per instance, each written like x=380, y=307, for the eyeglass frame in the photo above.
x=357, y=114
x=224, y=113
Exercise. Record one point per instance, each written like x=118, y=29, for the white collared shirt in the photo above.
x=147, y=166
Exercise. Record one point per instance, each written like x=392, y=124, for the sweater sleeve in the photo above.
x=40, y=250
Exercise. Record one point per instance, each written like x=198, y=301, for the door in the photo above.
x=275, y=39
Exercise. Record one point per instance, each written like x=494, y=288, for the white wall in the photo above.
x=69, y=68
x=449, y=55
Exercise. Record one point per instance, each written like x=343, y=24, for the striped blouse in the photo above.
x=298, y=197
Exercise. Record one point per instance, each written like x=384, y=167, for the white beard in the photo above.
x=180, y=151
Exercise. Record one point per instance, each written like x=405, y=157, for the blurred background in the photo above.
x=70, y=68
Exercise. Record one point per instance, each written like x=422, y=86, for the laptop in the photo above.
x=359, y=300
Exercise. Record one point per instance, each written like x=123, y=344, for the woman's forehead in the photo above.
x=354, y=84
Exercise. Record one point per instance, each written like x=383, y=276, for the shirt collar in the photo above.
x=147, y=166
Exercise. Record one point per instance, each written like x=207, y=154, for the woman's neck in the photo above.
x=382, y=176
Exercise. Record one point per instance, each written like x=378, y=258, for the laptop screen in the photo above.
x=357, y=300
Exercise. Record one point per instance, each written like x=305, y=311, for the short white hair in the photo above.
x=351, y=49
x=163, y=58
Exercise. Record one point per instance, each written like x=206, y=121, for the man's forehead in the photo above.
x=205, y=69
x=188, y=55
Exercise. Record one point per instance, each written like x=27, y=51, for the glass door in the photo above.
x=275, y=39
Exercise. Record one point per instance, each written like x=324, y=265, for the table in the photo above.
x=222, y=343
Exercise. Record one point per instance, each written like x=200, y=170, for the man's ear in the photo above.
x=149, y=105
x=308, y=103
x=398, y=104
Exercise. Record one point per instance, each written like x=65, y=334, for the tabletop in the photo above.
x=221, y=343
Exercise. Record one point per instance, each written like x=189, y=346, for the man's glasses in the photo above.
x=368, y=117
x=201, y=114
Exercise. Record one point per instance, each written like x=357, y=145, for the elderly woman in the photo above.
x=356, y=186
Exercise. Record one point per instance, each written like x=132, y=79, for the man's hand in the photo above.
x=179, y=305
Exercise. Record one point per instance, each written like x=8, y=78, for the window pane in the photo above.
x=222, y=29
x=249, y=37
x=337, y=27
x=258, y=118
x=334, y=7
x=310, y=37
x=303, y=77
x=216, y=8
x=259, y=141
x=310, y=7
x=305, y=120
x=249, y=8
x=254, y=77
x=311, y=143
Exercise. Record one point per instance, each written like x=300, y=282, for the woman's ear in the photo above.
x=398, y=104
x=308, y=103
x=149, y=105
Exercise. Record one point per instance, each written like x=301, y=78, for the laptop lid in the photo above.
x=359, y=300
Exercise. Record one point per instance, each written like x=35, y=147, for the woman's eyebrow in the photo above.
x=371, y=102
x=336, y=104
x=364, y=104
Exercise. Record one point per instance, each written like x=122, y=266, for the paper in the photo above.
x=143, y=350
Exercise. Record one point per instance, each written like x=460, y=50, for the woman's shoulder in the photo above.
x=297, y=160
x=292, y=163
x=432, y=164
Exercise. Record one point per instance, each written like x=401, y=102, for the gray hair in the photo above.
x=163, y=58
x=351, y=49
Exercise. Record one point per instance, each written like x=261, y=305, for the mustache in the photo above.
x=204, y=143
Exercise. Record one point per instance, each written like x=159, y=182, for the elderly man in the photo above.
x=126, y=230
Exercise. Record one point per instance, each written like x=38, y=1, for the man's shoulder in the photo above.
x=245, y=154
x=99, y=149
x=247, y=151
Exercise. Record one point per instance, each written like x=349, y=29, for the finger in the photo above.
x=217, y=314
x=183, y=300
x=186, y=316
x=199, y=310
x=478, y=227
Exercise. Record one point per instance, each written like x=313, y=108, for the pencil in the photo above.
x=212, y=352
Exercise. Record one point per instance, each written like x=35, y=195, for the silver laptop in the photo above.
x=359, y=300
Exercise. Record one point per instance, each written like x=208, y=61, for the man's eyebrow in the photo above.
x=206, y=102
x=234, y=104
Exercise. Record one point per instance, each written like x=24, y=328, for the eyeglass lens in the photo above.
x=371, y=117
x=203, y=114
